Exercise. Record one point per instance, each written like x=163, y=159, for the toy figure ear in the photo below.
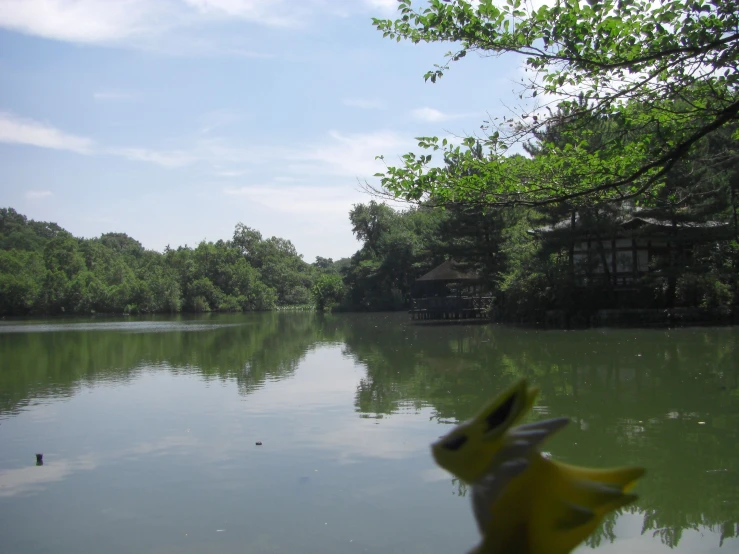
x=506, y=409
x=455, y=442
x=501, y=413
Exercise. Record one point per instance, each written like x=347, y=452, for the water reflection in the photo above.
x=30, y=478
x=36, y=365
x=25, y=479
x=667, y=399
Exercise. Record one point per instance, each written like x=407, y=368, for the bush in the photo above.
x=229, y=304
x=327, y=291
x=200, y=304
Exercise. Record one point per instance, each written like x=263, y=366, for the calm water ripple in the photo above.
x=149, y=429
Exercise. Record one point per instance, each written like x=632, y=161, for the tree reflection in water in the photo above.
x=664, y=399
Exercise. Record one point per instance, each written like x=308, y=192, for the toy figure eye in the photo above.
x=500, y=415
x=455, y=443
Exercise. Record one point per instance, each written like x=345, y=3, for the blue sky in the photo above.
x=173, y=120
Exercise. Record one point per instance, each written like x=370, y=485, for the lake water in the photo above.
x=149, y=428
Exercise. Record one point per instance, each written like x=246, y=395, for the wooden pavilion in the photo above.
x=449, y=292
x=629, y=249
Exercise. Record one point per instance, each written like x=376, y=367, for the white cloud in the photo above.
x=128, y=21
x=350, y=155
x=382, y=5
x=108, y=21
x=363, y=103
x=429, y=114
x=266, y=12
x=113, y=96
x=230, y=174
x=433, y=115
x=227, y=158
x=83, y=20
x=301, y=199
x=173, y=158
x=16, y=130
x=38, y=194
x=218, y=119
x=338, y=154
x=353, y=155
x=347, y=155
x=243, y=53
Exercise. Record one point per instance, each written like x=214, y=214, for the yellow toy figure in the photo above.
x=525, y=503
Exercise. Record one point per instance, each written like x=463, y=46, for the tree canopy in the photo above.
x=651, y=81
x=45, y=270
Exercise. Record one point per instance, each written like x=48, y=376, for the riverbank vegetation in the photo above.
x=679, y=251
x=615, y=184
x=524, y=256
x=45, y=270
x=630, y=87
x=621, y=158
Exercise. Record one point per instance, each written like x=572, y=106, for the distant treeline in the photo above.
x=676, y=245
x=45, y=270
x=529, y=270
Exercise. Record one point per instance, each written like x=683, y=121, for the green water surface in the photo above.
x=149, y=426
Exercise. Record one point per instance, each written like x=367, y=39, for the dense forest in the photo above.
x=530, y=272
x=523, y=255
x=614, y=182
x=531, y=258
x=675, y=245
x=540, y=204
x=45, y=270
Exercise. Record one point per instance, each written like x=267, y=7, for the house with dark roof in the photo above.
x=623, y=251
x=449, y=291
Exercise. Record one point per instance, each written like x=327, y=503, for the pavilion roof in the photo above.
x=449, y=271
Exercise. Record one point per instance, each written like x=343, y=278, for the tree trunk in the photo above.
x=672, y=266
